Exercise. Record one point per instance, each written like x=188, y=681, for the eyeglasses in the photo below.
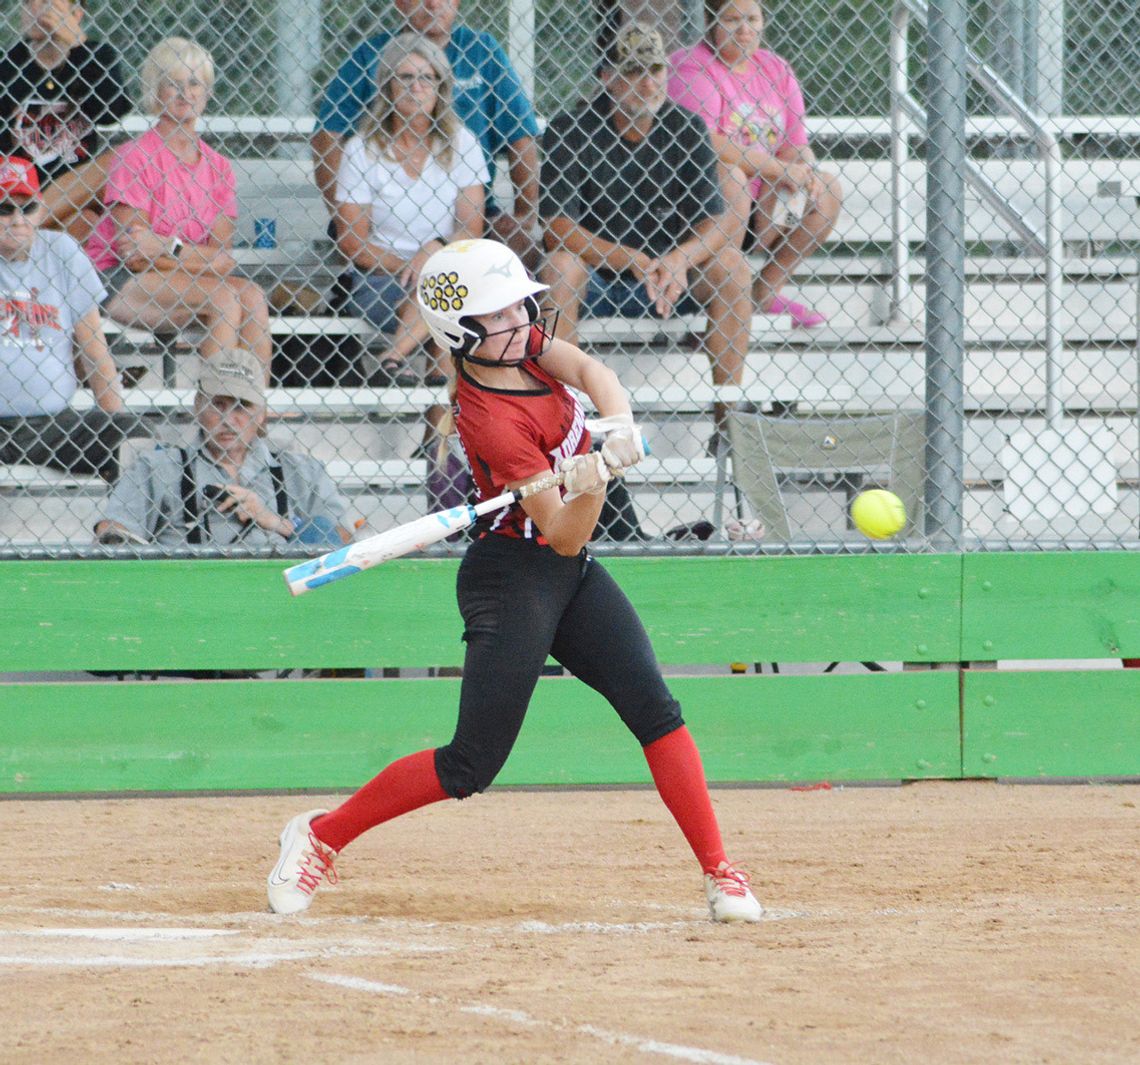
x=181, y=85
x=408, y=80
x=10, y=207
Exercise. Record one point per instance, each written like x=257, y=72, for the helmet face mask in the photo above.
x=497, y=343
x=466, y=280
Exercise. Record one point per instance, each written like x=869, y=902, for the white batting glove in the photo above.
x=585, y=475
x=624, y=446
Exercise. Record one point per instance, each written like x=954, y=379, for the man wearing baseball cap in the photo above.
x=229, y=489
x=634, y=211
x=51, y=341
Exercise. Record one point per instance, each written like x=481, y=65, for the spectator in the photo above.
x=165, y=246
x=55, y=88
x=51, y=340
x=752, y=104
x=411, y=182
x=230, y=488
x=489, y=100
x=634, y=214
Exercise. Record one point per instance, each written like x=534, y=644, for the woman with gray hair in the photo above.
x=410, y=181
x=164, y=248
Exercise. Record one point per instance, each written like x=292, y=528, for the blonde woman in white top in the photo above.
x=411, y=181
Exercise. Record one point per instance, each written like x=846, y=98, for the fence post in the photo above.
x=945, y=270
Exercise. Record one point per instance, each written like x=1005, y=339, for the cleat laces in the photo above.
x=731, y=881
x=316, y=864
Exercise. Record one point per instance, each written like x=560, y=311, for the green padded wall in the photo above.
x=339, y=733
x=1072, y=723
x=1051, y=605
x=925, y=610
x=237, y=615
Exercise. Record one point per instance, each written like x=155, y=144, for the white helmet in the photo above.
x=467, y=278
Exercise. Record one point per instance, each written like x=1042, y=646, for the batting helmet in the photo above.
x=467, y=278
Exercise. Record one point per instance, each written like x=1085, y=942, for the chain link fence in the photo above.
x=989, y=379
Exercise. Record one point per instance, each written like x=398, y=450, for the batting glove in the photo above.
x=585, y=475
x=624, y=446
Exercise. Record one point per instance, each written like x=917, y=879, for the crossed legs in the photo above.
x=787, y=247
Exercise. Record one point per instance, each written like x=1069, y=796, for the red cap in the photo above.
x=18, y=177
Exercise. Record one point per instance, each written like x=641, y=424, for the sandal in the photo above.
x=436, y=379
x=393, y=372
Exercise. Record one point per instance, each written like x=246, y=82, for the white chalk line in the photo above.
x=128, y=934
x=246, y=920
x=251, y=960
x=697, y=1055
x=263, y=939
x=197, y=947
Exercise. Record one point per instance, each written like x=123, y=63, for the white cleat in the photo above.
x=730, y=898
x=305, y=861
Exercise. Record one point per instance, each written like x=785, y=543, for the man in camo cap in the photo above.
x=634, y=212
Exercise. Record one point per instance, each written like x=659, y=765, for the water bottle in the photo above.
x=265, y=232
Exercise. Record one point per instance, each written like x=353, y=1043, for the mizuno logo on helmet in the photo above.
x=503, y=269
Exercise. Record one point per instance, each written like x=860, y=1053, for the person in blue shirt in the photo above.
x=489, y=100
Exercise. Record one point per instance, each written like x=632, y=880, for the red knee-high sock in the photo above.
x=407, y=784
x=676, y=766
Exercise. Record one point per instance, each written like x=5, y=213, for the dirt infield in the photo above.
x=949, y=922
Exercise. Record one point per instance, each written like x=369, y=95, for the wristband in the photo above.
x=175, y=248
x=443, y=240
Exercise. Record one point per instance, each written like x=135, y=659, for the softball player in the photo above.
x=527, y=588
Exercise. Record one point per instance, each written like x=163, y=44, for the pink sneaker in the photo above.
x=800, y=315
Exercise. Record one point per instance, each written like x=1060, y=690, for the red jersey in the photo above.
x=512, y=435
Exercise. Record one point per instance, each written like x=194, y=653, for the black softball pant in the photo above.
x=520, y=602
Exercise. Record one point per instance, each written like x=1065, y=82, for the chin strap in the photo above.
x=496, y=364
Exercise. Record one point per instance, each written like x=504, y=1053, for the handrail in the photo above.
x=1048, y=243
x=300, y=127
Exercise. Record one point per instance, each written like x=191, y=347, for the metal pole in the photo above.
x=298, y=50
x=520, y=42
x=1008, y=44
x=898, y=298
x=945, y=270
x=692, y=24
x=1045, y=80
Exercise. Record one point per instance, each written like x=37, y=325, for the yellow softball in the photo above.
x=878, y=513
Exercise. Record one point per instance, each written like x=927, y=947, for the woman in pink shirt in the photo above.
x=754, y=109
x=164, y=247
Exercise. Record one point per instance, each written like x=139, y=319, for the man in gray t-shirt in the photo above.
x=633, y=209
x=51, y=341
x=228, y=489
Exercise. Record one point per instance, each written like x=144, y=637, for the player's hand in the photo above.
x=624, y=446
x=585, y=475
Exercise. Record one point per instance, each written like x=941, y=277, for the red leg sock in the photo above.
x=676, y=766
x=407, y=784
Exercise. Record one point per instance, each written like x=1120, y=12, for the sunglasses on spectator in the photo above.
x=408, y=80
x=10, y=207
